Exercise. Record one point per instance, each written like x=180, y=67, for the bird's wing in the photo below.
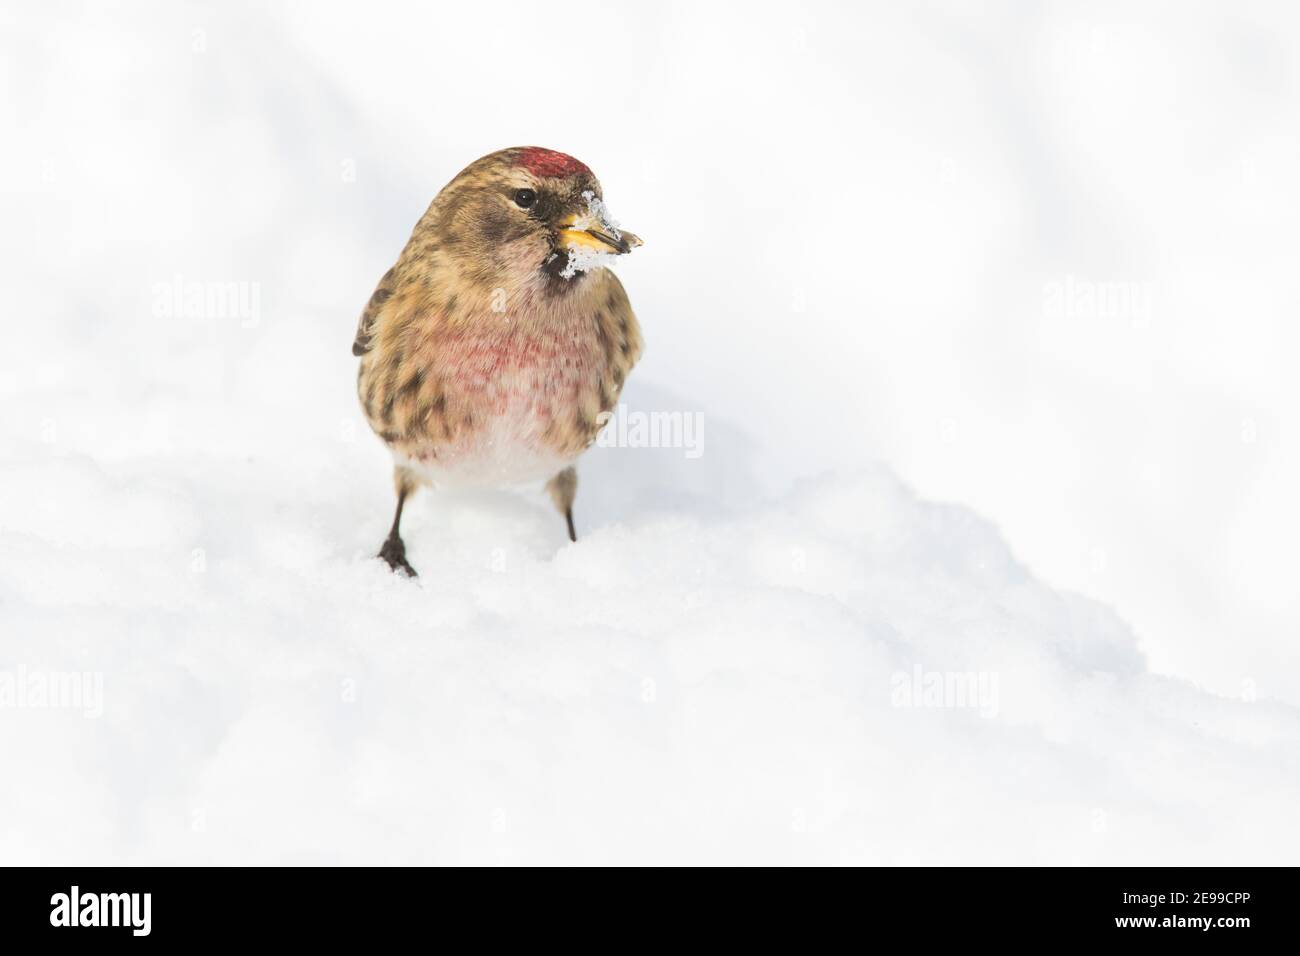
x=365, y=328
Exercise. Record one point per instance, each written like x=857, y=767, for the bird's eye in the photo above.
x=525, y=198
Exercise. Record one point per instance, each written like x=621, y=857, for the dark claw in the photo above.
x=568, y=517
x=394, y=552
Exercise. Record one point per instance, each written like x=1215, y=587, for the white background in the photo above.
x=857, y=219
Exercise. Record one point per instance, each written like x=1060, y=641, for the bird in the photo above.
x=496, y=347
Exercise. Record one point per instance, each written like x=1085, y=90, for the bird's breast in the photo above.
x=503, y=405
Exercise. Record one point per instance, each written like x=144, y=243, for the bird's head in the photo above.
x=526, y=214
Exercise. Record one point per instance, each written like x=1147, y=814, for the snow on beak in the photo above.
x=594, y=231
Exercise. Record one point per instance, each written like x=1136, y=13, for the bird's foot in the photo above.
x=394, y=552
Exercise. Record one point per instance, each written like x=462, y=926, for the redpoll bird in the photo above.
x=491, y=349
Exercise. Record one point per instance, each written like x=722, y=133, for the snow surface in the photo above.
x=710, y=674
x=724, y=667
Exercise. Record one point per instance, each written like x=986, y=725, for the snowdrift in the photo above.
x=838, y=672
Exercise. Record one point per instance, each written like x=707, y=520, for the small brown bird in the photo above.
x=491, y=349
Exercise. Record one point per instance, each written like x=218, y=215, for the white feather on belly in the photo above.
x=506, y=447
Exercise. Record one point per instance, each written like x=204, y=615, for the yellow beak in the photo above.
x=585, y=231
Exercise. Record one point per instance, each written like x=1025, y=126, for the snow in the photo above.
x=712, y=673
x=598, y=211
x=584, y=259
x=766, y=646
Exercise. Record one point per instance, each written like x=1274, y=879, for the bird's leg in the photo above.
x=563, y=488
x=394, y=549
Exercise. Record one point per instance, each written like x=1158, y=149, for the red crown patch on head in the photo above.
x=547, y=162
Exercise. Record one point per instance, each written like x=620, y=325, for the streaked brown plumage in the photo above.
x=490, y=350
